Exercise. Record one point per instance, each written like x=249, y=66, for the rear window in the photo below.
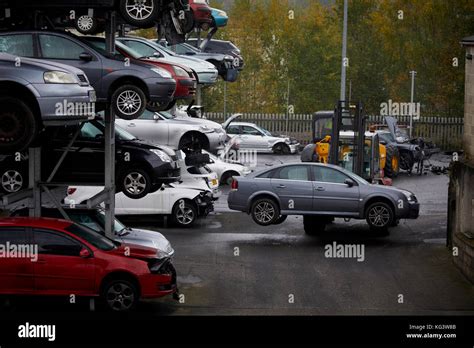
x=268, y=174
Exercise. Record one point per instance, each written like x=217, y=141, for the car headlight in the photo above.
x=200, y=2
x=222, y=13
x=205, y=129
x=162, y=155
x=228, y=58
x=180, y=72
x=287, y=141
x=162, y=72
x=410, y=196
x=59, y=77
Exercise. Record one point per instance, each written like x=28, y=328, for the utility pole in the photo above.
x=412, y=74
x=287, y=107
x=344, y=54
x=225, y=100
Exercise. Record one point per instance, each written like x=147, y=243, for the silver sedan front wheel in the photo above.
x=379, y=216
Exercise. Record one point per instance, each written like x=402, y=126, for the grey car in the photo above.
x=319, y=192
x=127, y=85
x=34, y=94
x=95, y=220
x=227, y=66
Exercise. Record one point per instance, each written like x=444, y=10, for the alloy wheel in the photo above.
x=139, y=9
x=129, y=102
x=264, y=212
x=379, y=216
x=120, y=297
x=85, y=23
x=185, y=216
x=12, y=181
x=135, y=183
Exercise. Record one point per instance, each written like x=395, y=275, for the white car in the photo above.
x=206, y=72
x=184, y=205
x=202, y=177
x=254, y=138
x=178, y=133
x=225, y=170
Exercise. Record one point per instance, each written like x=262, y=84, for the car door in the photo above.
x=16, y=273
x=252, y=138
x=149, y=126
x=294, y=188
x=332, y=194
x=149, y=205
x=66, y=50
x=60, y=269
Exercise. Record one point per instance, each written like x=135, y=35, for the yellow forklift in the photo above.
x=358, y=150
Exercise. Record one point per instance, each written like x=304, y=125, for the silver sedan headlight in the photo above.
x=409, y=196
x=205, y=129
x=59, y=77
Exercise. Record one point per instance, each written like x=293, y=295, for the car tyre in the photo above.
x=88, y=25
x=142, y=14
x=265, y=211
x=392, y=166
x=314, y=225
x=135, y=183
x=281, y=149
x=379, y=216
x=18, y=125
x=184, y=214
x=281, y=219
x=120, y=295
x=406, y=161
x=128, y=102
x=13, y=179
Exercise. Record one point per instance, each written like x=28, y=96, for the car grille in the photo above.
x=83, y=79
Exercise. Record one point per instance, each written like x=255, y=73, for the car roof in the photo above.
x=296, y=164
x=34, y=222
x=243, y=124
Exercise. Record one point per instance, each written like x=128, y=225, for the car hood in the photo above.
x=395, y=130
x=197, y=65
x=143, y=144
x=135, y=251
x=46, y=65
x=382, y=188
x=198, y=121
x=147, y=238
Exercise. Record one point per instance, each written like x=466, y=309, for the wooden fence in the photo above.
x=445, y=132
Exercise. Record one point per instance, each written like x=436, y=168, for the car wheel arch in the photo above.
x=15, y=89
x=379, y=198
x=119, y=275
x=260, y=195
x=124, y=80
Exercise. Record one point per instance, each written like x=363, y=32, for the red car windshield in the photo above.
x=92, y=237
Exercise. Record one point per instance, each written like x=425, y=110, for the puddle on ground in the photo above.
x=189, y=279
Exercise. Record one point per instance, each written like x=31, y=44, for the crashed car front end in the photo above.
x=205, y=203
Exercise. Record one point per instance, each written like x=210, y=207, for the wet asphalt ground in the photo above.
x=228, y=265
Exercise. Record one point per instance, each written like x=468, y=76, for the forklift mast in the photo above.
x=346, y=117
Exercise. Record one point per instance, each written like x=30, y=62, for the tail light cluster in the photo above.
x=71, y=190
x=235, y=185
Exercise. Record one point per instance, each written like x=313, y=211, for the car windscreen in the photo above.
x=162, y=48
x=166, y=115
x=92, y=237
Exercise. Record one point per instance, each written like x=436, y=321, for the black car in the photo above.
x=140, y=168
x=219, y=46
x=127, y=85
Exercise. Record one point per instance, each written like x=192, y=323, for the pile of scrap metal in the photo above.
x=413, y=151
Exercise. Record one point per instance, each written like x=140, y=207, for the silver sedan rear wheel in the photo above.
x=265, y=211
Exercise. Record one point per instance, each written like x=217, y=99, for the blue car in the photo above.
x=219, y=18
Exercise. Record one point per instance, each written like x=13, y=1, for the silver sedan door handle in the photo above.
x=320, y=188
x=131, y=125
x=281, y=186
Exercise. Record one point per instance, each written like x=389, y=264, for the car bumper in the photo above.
x=158, y=285
x=205, y=204
x=221, y=21
x=234, y=203
x=294, y=148
x=167, y=173
x=413, y=211
x=202, y=14
x=185, y=88
x=69, y=102
x=207, y=77
x=161, y=90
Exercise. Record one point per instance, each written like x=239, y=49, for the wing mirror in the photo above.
x=87, y=57
x=349, y=182
x=85, y=253
x=156, y=117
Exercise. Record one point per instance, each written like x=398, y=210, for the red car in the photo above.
x=202, y=14
x=40, y=256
